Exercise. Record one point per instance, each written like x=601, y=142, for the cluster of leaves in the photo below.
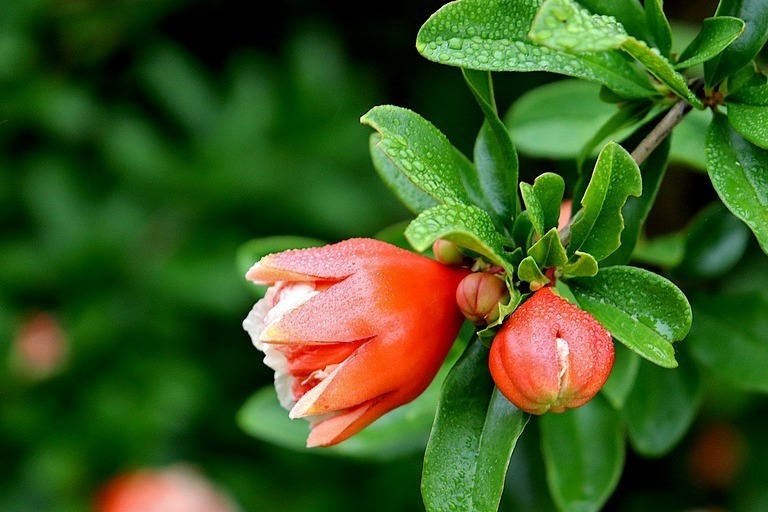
x=646, y=90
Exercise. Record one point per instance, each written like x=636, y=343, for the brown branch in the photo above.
x=661, y=131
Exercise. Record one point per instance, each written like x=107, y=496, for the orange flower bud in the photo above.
x=352, y=330
x=479, y=295
x=550, y=355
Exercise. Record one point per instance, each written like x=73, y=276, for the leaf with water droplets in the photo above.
x=472, y=439
x=566, y=26
x=597, y=227
x=495, y=154
x=543, y=200
x=548, y=251
x=529, y=271
x=748, y=113
x=409, y=194
x=563, y=25
x=419, y=150
x=584, y=452
x=737, y=169
x=641, y=309
x=659, y=25
x=464, y=225
x=747, y=46
x=715, y=36
x=492, y=35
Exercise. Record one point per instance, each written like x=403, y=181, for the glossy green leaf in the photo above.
x=548, y=251
x=584, y=451
x=622, y=379
x=636, y=209
x=543, y=200
x=567, y=111
x=495, y=155
x=409, y=194
x=748, y=76
x=566, y=26
x=662, y=69
x=658, y=25
x=715, y=36
x=563, y=25
x=522, y=230
x=737, y=170
x=628, y=12
x=530, y=272
x=470, y=180
x=419, y=150
x=641, y=309
x=472, y=439
x=467, y=226
x=715, y=241
x=481, y=34
x=748, y=44
x=253, y=250
x=662, y=406
x=582, y=264
x=748, y=113
x=596, y=228
x=729, y=337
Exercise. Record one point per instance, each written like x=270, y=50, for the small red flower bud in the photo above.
x=479, y=295
x=550, y=355
x=447, y=252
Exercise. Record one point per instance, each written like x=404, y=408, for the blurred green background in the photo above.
x=143, y=141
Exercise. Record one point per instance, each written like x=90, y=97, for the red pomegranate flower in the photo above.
x=352, y=330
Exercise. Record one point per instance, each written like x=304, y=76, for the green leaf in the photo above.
x=495, y=154
x=464, y=225
x=748, y=113
x=543, y=200
x=529, y=271
x=548, y=251
x=567, y=111
x=584, y=451
x=419, y=150
x=715, y=241
x=715, y=36
x=659, y=26
x=472, y=439
x=641, y=309
x=522, y=230
x=662, y=406
x=628, y=12
x=470, y=180
x=636, y=209
x=566, y=26
x=253, y=250
x=662, y=69
x=563, y=25
x=409, y=194
x=729, y=337
x=618, y=386
x=596, y=228
x=748, y=44
x=748, y=76
x=399, y=433
x=582, y=265
x=737, y=170
x=492, y=35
